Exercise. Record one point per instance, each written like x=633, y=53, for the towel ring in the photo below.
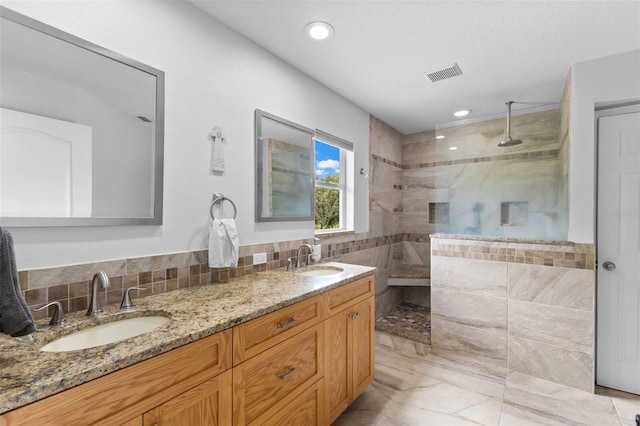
x=219, y=199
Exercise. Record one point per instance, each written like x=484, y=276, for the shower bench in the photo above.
x=410, y=276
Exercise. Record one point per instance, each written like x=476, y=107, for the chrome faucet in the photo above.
x=298, y=254
x=100, y=278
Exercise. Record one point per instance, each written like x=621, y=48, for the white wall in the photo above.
x=214, y=76
x=609, y=79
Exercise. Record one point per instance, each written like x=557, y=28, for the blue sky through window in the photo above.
x=327, y=160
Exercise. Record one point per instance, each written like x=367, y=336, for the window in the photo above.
x=332, y=157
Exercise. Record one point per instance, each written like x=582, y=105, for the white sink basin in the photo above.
x=321, y=271
x=104, y=334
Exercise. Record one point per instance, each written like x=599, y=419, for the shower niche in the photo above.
x=514, y=213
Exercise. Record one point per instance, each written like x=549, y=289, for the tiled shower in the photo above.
x=455, y=180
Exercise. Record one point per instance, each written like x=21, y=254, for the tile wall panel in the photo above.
x=469, y=275
x=549, y=362
x=485, y=312
x=467, y=340
x=570, y=329
x=546, y=288
x=558, y=286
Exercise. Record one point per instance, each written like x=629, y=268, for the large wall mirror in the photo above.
x=284, y=169
x=82, y=131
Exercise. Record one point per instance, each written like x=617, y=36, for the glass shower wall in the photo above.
x=513, y=192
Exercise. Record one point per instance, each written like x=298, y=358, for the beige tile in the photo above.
x=41, y=278
x=566, y=287
x=567, y=328
x=487, y=413
x=475, y=376
x=449, y=336
x=515, y=416
x=439, y=397
x=469, y=275
x=627, y=405
x=400, y=345
x=566, y=367
x=155, y=263
x=407, y=413
x=414, y=253
x=447, y=388
x=558, y=404
x=479, y=311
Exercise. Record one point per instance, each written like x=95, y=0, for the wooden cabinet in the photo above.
x=123, y=396
x=306, y=363
x=349, y=344
x=206, y=404
x=300, y=365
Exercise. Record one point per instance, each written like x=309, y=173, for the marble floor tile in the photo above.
x=558, y=403
x=627, y=405
x=449, y=389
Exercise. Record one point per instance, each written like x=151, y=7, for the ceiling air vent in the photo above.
x=452, y=70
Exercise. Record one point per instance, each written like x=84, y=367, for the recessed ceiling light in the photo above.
x=318, y=30
x=440, y=137
x=453, y=148
x=462, y=113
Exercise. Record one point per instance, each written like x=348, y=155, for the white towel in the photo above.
x=223, y=243
x=217, y=156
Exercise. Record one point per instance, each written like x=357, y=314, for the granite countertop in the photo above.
x=28, y=374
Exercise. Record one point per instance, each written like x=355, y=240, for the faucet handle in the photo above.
x=58, y=313
x=126, y=299
x=290, y=264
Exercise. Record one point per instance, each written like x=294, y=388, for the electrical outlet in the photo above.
x=259, y=258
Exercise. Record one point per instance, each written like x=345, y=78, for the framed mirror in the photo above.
x=284, y=169
x=81, y=131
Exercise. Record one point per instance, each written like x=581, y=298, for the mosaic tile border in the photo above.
x=536, y=155
x=578, y=256
x=162, y=273
x=386, y=161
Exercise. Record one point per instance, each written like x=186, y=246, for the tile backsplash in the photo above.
x=158, y=274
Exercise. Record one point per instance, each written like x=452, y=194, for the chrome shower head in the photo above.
x=509, y=141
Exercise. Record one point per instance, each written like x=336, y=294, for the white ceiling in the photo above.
x=381, y=50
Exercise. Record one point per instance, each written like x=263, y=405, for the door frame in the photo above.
x=607, y=110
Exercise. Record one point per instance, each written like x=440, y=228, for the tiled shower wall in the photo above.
x=528, y=308
x=380, y=247
x=480, y=178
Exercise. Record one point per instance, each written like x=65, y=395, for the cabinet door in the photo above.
x=338, y=377
x=363, y=345
x=206, y=404
x=308, y=409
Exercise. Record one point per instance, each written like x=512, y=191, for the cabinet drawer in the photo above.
x=269, y=381
x=340, y=298
x=255, y=336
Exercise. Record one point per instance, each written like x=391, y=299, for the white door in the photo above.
x=618, y=275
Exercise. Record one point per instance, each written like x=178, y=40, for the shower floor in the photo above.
x=408, y=321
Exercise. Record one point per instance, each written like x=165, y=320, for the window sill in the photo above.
x=336, y=233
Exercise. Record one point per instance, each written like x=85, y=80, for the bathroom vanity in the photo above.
x=275, y=348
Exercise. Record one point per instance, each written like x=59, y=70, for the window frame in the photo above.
x=344, y=147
